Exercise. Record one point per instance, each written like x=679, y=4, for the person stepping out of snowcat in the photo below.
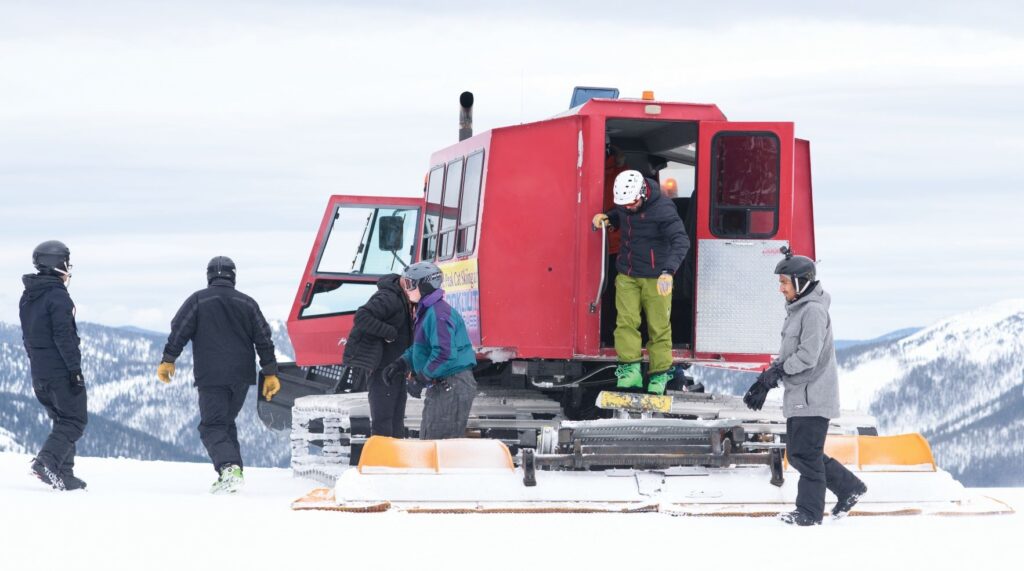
x=441, y=359
x=806, y=367
x=223, y=325
x=653, y=244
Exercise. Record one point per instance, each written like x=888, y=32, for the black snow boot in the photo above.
x=846, y=503
x=797, y=517
x=49, y=475
x=72, y=482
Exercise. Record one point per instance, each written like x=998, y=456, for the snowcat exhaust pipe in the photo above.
x=465, y=115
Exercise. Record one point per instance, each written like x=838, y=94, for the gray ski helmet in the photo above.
x=220, y=267
x=52, y=256
x=800, y=269
x=420, y=274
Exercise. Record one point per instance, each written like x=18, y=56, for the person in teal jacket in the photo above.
x=441, y=358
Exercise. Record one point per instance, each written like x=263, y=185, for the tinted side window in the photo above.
x=431, y=220
x=745, y=185
x=469, y=211
x=450, y=209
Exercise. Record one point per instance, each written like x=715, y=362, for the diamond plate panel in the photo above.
x=739, y=307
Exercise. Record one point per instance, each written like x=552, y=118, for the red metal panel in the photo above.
x=528, y=227
x=588, y=332
x=318, y=340
x=802, y=240
x=660, y=110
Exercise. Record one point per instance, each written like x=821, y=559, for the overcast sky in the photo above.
x=150, y=136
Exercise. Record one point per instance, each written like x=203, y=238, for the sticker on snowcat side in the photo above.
x=634, y=402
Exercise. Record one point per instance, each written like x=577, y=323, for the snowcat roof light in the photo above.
x=581, y=95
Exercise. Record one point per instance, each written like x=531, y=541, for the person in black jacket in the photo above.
x=382, y=332
x=51, y=341
x=652, y=247
x=223, y=325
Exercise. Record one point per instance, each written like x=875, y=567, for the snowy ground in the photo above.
x=157, y=515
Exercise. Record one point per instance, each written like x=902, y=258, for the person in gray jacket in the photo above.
x=806, y=367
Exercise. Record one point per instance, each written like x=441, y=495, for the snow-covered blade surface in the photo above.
x=159, y=516
x=679, y=491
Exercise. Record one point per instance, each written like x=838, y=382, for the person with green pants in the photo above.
x=653, y=245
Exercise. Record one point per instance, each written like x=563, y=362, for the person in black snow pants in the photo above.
x=382, y=332
x=223, y=325
x=806, y=367
x=51, y=341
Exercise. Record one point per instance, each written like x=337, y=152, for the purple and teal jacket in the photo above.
x=441, y=345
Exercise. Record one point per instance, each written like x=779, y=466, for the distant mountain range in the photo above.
x=131, y=413
x=960, y=382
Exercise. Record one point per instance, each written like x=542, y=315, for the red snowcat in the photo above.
x=506, y=214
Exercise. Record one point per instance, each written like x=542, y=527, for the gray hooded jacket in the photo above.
x=808, y=357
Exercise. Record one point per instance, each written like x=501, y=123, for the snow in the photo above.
x=978, y=319
x=158, y=515
x=859, y=385
x=978, y=339
x=8, y=443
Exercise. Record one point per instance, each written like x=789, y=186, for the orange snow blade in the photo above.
x=394, y=455
x=899, y=453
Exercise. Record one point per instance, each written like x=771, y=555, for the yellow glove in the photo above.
x=600, y=219
x=164, y=372
x=271, y=385
x=665, y=284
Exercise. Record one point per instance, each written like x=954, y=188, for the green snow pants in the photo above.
x=632, y=294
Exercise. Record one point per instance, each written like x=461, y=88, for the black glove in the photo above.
x=77, y=381
x=414, y=387
x=395, y=372
x=771, y=376
x=756, y=395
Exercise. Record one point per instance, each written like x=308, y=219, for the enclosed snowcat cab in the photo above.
x=507, y=216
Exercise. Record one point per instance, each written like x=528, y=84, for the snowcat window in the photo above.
x=332, y=297
x=352, y=247
x=450, y=209
x=433, y=213
x=469, y=211
x=745, y=185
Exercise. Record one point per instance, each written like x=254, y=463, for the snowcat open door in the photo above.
x=360, y=239
x=348, y=258
x=745, y=213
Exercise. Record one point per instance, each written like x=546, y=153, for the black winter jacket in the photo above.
x=223, y=324
x=48, y=328
x=653, y=240
x=386, y=316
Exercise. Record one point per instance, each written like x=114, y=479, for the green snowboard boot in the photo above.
x=230, y=480
x=628, y=376
x=657, y=382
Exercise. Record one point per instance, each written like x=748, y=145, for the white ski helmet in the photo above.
x=629, y=186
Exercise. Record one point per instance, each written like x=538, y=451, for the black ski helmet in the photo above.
x=220, y=267
x=800, y=269
x=52, y=256
x=425, y=276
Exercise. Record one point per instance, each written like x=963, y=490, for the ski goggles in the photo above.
x=408, y=284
